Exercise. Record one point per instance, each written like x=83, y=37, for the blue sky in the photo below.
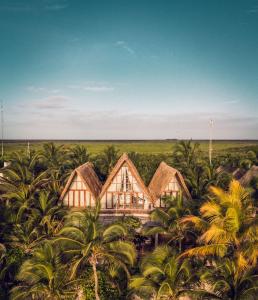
x=129, y=69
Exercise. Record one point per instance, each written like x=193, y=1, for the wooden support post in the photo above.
x=156, y=240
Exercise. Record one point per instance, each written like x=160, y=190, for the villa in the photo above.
x=124, y=192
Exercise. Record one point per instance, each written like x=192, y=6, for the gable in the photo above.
x=124, y=181
x=124, y=188
x=173, y=185
x=78, y=194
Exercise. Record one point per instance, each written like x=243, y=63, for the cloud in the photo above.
x=36, y=89
x=48, y=103
x=232, y=102
x=15, y=7
x=93, y=87
x=253, y=10
x=57, y=6
x=60, y=118
x=52, y=5
x=124, y=45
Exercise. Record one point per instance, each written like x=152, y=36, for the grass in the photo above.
x=147, y=147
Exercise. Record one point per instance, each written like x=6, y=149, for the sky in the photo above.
x=80, y=69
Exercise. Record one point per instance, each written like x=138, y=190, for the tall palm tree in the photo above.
x=78, y=156
x=108, y=159
x=25, y=237
x=186, y=153
x=228, y=226
x=55, y=159
x=43, y=277
x=162, y=275
x=47, y=214
x=230, y=282
x=168, y=220
x=86, y=244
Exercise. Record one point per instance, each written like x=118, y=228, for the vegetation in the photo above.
x=207, y=247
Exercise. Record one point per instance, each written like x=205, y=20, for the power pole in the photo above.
x=211, y=123
x=28, y=148
x=2, y=128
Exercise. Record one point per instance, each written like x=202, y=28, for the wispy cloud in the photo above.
x=125, y=46
x=72, y=121
x=38, y=89
x=253, y=10
x=56, y=5
x=93, y=87
x=15, y=7
x=51, y=5
x=48, y=103
x=232, y=102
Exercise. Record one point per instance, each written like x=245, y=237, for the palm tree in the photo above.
x=229, y=282
x=43, y=277
x=78, y=156
x=85, y=243
x=47, y=214
x=162, y=275
x=25, y=237
x=55, y=160
x=228, y=226
x=108, y=159
x=186, y=153
x=167, y=220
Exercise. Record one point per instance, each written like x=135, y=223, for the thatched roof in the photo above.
x=124, y=159
x=89, y=177
x=161, y=179
x=249, y=175
x=237, y=173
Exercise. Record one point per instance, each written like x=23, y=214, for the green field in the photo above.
x=147, y=147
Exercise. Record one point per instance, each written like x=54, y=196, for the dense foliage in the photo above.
x=207, y=246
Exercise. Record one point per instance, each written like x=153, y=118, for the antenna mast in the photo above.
x=211, y=123
x=28, y=148
x=2, y=128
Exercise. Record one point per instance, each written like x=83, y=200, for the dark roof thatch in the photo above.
x=249, y=175
x=236, y=173
x=124, y=159
x=162, y=177
x=89, y=177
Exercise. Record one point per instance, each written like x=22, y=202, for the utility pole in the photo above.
x=211, y=123
x=2, y=128
x=28, y=148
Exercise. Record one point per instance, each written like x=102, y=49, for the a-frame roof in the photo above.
x=161, y=179
x=89, y=177
x=122, y=160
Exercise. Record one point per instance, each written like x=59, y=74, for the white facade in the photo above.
x=78, y=194
x=124, y=192
x=172, y=189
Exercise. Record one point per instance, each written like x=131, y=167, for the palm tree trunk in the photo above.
x=93, y=262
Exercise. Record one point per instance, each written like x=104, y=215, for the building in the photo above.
x=167, y=182
x=82, y=188
x=124, y=192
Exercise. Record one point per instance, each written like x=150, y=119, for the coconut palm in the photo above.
x=231, y=282
x=43, y=277
x=162, y=275
x=228, y=226
x=78, y=156
x=47, y=214
x=25, y=237
x=200, y=176
x=86, y=244
x=186, y=153
x=167, y=220
x=108, y=159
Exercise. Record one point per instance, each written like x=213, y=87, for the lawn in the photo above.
x=147, y=147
